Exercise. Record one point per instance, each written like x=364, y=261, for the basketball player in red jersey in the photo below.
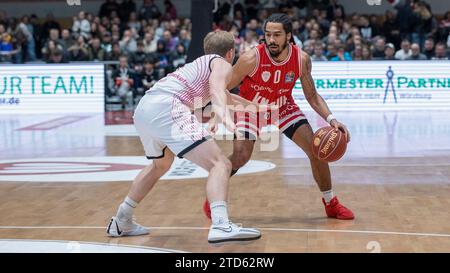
x=268, y=74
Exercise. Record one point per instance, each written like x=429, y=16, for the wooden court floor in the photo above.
x=401, y=204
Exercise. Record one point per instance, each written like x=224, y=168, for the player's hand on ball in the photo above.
x=340, y=126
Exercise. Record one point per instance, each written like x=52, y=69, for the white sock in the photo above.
x=219, y=212
x=125, y=211
x=328, y=195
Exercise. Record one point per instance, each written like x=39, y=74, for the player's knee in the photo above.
x=222, y=162
x=241, y=158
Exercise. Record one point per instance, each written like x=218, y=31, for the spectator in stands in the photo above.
x=6, y=47
x=318, y=53
x=239, y=19
x=178, y=58
x=389, y=52
x=228, y=9
x=162, y=58
x=331, y=51
x=128, y=43
x=56, y=57
x=251, y=8
x=405, y=52
x=331, y=37
x=174, y=28
x=253, y=25
x=37, y=33
x=138, y=89
x=342, y=55
x=139, y=56
x=185, y=38
x=115, y=52
x=378, y=52
x=366, y=53
x=391, y=28
x=133, y=22
x=357, y=53
x=169, y=41
x=3, y=18
x=149, y=43
x=2, y=29
x=66, y=40
x=375, y=25
x=171, y=11
x=27, y=29
x=428, y=48
x=309, y=45
x=95, y=51
x=367, y=30
x=79, y=51
x=108, y=7
x=48, y=48
x=423, y=22
x=106, y=22
x=96, y=30
x=346, y=31
x=106, y=42
x=48, y=25
x=440, y=52
x=81, y=25
x=249, y=42
x=126, y=8
x=335, y=10
x=149, y=75
x=55, y=43
x=123, y=79
x=405, y=16
x=415, y=53
x=149, y=10
x=443, y=33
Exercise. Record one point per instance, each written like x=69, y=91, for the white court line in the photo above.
x=94, y=243
x=370, y=232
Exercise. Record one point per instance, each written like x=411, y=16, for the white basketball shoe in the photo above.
x=231, y=232
x=119, y=228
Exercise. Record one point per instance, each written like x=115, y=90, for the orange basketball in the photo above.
x=329, y=145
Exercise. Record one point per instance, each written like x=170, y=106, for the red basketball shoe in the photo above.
x=337, y=210
x=207, y=209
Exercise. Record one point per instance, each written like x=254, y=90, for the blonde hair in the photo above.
x=218, y=42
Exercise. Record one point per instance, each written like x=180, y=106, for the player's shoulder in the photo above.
x=249, y=57
x=306, y=59
x=305, y=56
x=217, y=62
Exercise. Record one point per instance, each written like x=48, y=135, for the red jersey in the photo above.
x=272, y=83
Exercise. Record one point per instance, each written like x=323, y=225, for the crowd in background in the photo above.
x=146, y=42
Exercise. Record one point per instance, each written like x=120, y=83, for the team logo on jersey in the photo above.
x=265, y=76
x=289, y=77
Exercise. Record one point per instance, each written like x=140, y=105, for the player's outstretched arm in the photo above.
x=314, y=99
x=243, y=67
x=218, y=81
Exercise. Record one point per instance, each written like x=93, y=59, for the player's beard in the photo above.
x=275, y=54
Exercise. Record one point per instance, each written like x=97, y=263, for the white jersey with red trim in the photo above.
x=189, y=84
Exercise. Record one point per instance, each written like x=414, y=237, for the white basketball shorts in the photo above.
x=163, y=121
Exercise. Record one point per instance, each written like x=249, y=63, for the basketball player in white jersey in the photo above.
x=167, y=127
